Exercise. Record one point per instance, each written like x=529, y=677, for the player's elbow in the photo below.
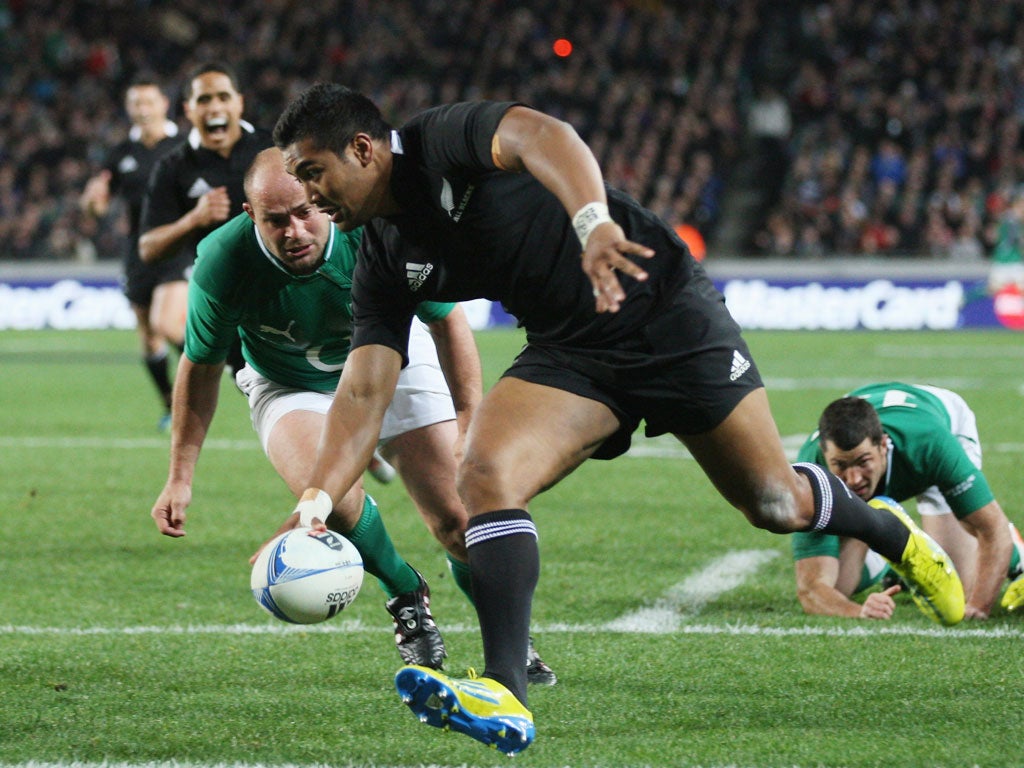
x=149, y=251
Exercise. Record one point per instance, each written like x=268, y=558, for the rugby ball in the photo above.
x=305, y=578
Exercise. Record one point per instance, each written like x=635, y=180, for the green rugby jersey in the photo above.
x=295, y=330
x=923, y=452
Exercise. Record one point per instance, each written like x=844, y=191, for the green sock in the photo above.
x=461, y=574
x=380, y=558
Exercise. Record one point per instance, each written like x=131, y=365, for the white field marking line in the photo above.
x=667, y=447
x=960, y=352
x=185, y=764
x=125, y=443
x=666, y=616
x=662, y=447
x=689, y=596
x=842, y=384
x=738, y=629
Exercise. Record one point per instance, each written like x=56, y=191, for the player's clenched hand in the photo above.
x=880, y=605
x=169, y=511
x=212, y=208
x=605, y=253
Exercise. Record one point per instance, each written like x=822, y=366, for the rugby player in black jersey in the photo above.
x=156, y=293
x=198, y=186
x=499, y=201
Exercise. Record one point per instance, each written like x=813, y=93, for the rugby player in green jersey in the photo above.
x=905, y=442
x=279, y=275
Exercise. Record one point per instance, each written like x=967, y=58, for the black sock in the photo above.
x=157, y=366
x=505, y=564
x=839, y=511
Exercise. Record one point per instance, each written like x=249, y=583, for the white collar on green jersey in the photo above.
x=890, y=450
x=328, y=248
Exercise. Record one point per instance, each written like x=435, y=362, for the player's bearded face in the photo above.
x=861, y=468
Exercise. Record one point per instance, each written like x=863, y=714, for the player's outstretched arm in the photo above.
x=460, y=362
x=350, y=433
x=991, y=527
x=196, y=389
x=816, y=588
x=551, y=151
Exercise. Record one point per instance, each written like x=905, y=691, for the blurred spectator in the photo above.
x=837, y=99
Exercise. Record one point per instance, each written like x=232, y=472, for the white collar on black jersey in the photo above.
x=277, y=262
x=170, y=128
x=193, y=135
x=396, y=144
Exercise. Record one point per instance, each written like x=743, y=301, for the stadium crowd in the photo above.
x=874, y=126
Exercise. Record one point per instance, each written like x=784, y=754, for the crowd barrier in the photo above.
x=833, y=294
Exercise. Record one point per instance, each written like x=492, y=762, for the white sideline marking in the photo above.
x=868, y=629
x=123, y=443
x=663, y=447
x=691, y=595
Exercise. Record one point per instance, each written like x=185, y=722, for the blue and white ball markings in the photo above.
x=306, y=579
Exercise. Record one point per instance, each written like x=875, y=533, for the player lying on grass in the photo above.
x=280, y=274
x=500, y=201
x=906, y=442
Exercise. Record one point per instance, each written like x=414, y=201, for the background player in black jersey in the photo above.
x=156, y=293
x=198, y=186
x=500, y=201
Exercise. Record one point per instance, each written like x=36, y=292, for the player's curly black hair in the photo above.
x=330, y=115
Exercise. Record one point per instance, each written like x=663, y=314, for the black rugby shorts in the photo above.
x=683, y=373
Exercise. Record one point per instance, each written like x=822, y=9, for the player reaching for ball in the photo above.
x=500, y=201
x=278, y=275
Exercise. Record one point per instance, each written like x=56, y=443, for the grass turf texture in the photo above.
x=119, y=645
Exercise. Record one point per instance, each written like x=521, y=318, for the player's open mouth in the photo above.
x=217, y=125
x=300, y=252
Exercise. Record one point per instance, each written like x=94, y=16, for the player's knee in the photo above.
x=481, y=482
x=776, y=510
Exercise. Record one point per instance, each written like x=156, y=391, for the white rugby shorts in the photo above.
x=964, y=426
x=421, y=398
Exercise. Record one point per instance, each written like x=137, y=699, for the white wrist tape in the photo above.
x=587, y=219
x=319, y=506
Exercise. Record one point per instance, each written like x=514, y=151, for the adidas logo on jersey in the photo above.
x=740, y=365
x=417, y=274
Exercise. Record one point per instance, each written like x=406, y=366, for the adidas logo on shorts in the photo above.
x=740, y=365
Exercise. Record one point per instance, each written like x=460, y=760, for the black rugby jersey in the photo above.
x=468, y=230
x=130, y=163
x=189, y=171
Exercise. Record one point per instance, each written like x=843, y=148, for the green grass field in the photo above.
x=672, y=623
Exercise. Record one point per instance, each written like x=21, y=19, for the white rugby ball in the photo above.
x=305, y=579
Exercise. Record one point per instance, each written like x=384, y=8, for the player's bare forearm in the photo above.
x=991, y=528
x=994, y=551
x=352, y=426
x=196, y=390
x=460, y=362
x=195, y=399
x=553, y=153
x=160, y=242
